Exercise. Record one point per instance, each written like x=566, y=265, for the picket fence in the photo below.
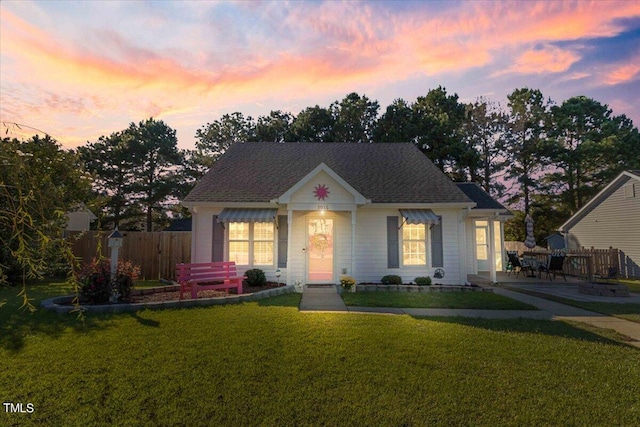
x=156, y=252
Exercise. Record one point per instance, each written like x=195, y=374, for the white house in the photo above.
x=610, y=219
x=316, y=211
x=79, y=219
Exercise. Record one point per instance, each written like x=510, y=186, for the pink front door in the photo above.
x=320, y=250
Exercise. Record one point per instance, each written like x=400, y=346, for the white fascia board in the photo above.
x=501, y=214
x=223, y=205
x=286, y=197
x=461, y=205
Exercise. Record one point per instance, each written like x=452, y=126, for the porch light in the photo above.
x=322, y=211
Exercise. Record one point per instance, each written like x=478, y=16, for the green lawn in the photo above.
x=634, y=285
x=630, y=311
x=264, y=363
x=474, y=300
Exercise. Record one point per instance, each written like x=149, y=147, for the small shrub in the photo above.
x=391, y=279
x=255, y=277
x=95, y=281
x=423, y=281
x=126, y=276
x=96, y=285
x=347, y=282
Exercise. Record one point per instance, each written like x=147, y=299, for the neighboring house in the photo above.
x=179, y=224
x=80, y=219
x=610, y=219
x=316, y=211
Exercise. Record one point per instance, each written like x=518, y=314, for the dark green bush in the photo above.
x=255, y=277
x=391, y=279
x=423, y=281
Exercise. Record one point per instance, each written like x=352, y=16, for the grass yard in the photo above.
x=264, y=363
x=634, y=285
x=630, y=311
x=473, y=300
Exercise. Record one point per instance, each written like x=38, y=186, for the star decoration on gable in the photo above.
x=321, y=192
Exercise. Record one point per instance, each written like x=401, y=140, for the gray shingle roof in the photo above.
x=381, y=172
x=477, y=194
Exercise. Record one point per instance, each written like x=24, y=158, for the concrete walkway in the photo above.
x=326, y=299
x=323, y=299
x=566, y=312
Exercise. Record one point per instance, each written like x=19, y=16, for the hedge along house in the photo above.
x=317, y=211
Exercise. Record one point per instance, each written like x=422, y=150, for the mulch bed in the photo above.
x=175, y=295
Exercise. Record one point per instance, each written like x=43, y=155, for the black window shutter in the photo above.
x=283, y=238
x=393, y=249
x=217, y=250
x=437, y=255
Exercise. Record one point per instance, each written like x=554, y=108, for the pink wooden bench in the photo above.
x=206, y=276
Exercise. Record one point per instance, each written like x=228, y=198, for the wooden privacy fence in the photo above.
x=587, y=262
x=601, y=260
x=156, y=252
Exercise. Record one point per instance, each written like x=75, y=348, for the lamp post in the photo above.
x=115, y=243
x=278, y=274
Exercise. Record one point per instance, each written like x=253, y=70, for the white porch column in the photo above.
x=492, y=252
x=353, y=243
x=194, y=234
x=289, y=245
x=462, y=246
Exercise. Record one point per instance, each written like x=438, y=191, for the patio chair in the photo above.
x=611, y=273
x=554, y=265
x=517, y=265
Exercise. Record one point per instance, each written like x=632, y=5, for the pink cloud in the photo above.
x=313, y=49
x=365, y=45
x=548, y=59
x=622, y=73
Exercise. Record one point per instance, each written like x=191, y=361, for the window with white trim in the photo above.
x=263, y=243
x=239, y=242
x=414, y=244
x=251, y=243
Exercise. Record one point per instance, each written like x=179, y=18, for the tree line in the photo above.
x=538, y=157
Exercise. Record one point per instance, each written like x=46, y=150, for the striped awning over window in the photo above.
x=247, y=215
x=419, y=216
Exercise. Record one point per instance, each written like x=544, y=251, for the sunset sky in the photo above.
x=81, y=69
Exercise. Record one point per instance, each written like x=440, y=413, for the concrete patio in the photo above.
x=557, y=287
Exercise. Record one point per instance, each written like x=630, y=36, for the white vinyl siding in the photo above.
x=371, y=248
x=615, y=222
x=201, y=234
